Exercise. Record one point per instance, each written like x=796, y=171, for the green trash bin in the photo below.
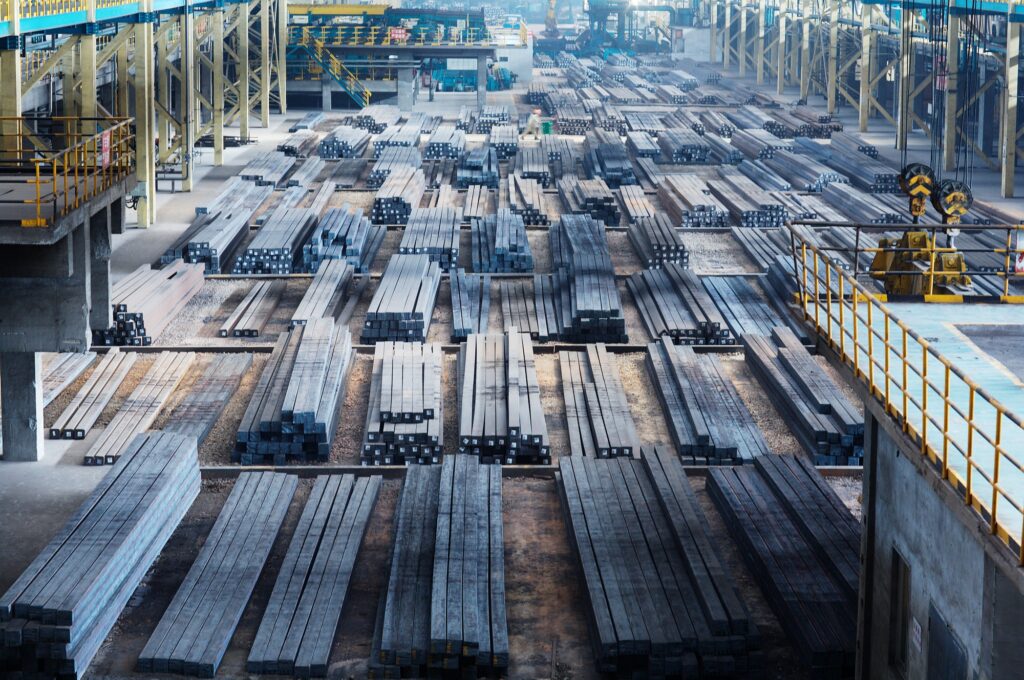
x=546, y=127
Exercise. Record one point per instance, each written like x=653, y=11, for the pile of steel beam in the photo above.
x=478, y=166
x=805, y=173
x=146, y=301
x=477, y=202
x=605, y=157
x=596, y=406
x=843, y=141
x=642, y=145
x=325, y=294
x=686, y=201
x=758, y=143
x=504, y=139
x=300, y=144
x=634, y=203
x=88, y=403
x=376, y=118
x=269, y=168
x=277, y=246
x=491, y=115
x=532, y=163
x=407, y=134
x=403, y=302
x=682, y=146
x=526, y=199
x=748, y=203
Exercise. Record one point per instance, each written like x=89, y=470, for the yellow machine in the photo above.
x=914, y=264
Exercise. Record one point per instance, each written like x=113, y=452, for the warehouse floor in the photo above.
x=546, y=606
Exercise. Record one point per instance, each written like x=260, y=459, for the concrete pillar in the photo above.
x=713, y=43
x=145, y=163
x=481, y=81
x=780, y=49
x=406, y=76
x=243, y=70
x=727, y=36
x=741, y=43
x=10, y=96
x=69, y=98
x=904, y=106
x=122, y=91
x=217, y=87
x=265, y=63
x=833, y=56
x=1009, y=142
x=87, y=79
x=99, y=268
x=867, y=69
x=187, y=97
x=282, y=54
x=326, y=83
x=21, y=400
x=949, y=134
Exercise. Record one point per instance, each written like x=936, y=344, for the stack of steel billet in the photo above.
x=439, y=172
x=657, y=241
x=866, y=173
x=681, y=118
x=573, y=119
x=344, y=141
x=308, y=121
x=391, y=159
x=687, y=203
x=648, y=172
x=253, y=312
x=796, y=207
x=526, y=199
x=300, y=144
x=624, y=95
x=519, y=309
x=346, y=172
x=478, y=166
x=294, y=408
x=199, y=411
x=269, y=168
x=545, y=307
x=444, y=608
x=749, y=118
x=789, y=126
x=532, y=163
x=83, y=411
x=477, y=201
x=323, y=299
x=471, y=303
x=761, y=245
x=860, y=207
x=721, y=152
x=443, y=197
x=61, y=369
x=467, y=119
x=789, y=542
x=843, y=141
x=828, y=426
x=403, y=303
x=400, y=194
x=803, y=172
x=660, y=601
x=536, y=92
x=763, y=176
x=446, y=142
x=61, y=608
x=141, y=408
x=404, y=420
x=197, y=626
x=277, y=246
x=300, y=620
x=742, y=307
x=608, y=117
x=504, y=139
x=596, y=406
x=407, y=134
x=559, y=148
x=433, y=232
x=758, y=143
x=812, y=115
x=491, y=115
x=644, y=122
x=146, y=301
x=682, y=146
x=708, y=420
x=670, y=94
x=376, y=118
x=500, y=415
x=343, y=234
x=584, y=290
x=589, y=197
x=635, y=204
x=642, y=145
x=673, y=302
x=605, y=157
x=219, y=227
x=683, y=80
x=715, y=122
x=307, y=174
x=500, y=243
x=748, y=203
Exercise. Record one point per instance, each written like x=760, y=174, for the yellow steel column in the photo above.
x=867, y=71
x=265, y=63
x=218, y=87
x=780, y=48
x=10, y=97
x=949, y=135
x=122, y=90
x=1009, y=145
x=833, y=56
x=759, y=55
x=282, y=54
x=713, y=43
x=187, y=97
x=741, y=44
x=243, y=70
x=904, y=105
x=163, y=123
x=727, y=38
x=69, y=96
x=145, y=163
x=805, y=51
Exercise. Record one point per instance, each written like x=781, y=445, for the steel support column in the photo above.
x=265, y=63
x=122, y=88
x=780, y=48
x=805, y=51
x=10, y=97
x=243, y=70
x=759, y=54
x=741, y=44
x=867, y=59
x=832, y=79
x=187, y=98
x=217, y=95
x=1008, y=148
x=713, y=42
x=282, y=55
x=145, y=161
x=905, y=104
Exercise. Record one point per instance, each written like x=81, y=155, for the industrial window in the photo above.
x=899, y=614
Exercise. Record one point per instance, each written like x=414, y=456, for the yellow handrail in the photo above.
x=338, y=69
x=964, y=431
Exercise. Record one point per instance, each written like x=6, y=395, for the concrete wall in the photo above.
x=958, y=572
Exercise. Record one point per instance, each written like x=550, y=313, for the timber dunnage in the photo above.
x=471, y=303
x=708, y=421
x=252, y=313
x=404, y=419
x=198, y=412
x=195, y=629
x=297, y=630
x=83, y=411
x=500, y=415
x=294, y=409
x=500, y=244
x=60, y=610
x=596, y=406
x=403, y=302
x=141, y=408
x=146, y=301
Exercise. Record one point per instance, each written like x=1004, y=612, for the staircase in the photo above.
x=314, y=48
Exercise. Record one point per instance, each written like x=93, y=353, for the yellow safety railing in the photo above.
x=338, y=69
x=47, y=8
x=94, y=154
x=972, y=440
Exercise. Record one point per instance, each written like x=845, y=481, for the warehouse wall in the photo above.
x=966, y=598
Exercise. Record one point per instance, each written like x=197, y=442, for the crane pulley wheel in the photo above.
x=917, y=180
x=952, y=198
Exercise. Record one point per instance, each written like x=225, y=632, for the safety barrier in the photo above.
x=973, y=441
x=65, y=161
